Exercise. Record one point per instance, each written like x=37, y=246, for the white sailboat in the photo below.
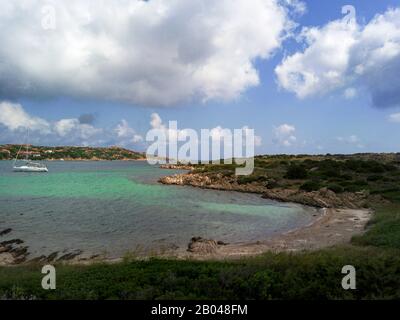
x=28, y=165
x=31, y=166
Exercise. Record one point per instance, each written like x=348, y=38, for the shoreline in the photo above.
x=322, y=198
x=334, y=227
x=342, y=219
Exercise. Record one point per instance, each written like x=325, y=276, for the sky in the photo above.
x=308, y=76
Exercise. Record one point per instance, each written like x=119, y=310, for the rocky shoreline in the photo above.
x=14, y=252
x=176, y=166
x=344, y=215
x=322, y=198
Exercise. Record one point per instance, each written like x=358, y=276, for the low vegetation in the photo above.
x=311, y=275
x=373, y=173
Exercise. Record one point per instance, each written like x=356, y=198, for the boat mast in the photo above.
x=27, y=146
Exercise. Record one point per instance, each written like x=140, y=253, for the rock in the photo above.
x=202, y=246
x=177, y=166
x=187, y=179
x=51, y=257
x=13, y=241
x=5, y=231
x=19, y=251
x=42, y=258
x=70, y=256
x=211, y=181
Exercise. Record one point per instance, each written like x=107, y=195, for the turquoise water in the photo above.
x=114, y=207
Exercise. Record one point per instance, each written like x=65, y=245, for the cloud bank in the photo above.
x=15, y=122
x=155, y=53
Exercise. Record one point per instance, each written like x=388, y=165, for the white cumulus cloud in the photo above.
x=217, y=133
x=126, y=134
x=158, y=52
x=15, y=122
x=14, y=117
x=345, y=52
x=284, y=135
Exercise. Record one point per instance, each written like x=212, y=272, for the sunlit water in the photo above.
x=115, y=207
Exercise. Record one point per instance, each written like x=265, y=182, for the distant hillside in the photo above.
x=9, y=151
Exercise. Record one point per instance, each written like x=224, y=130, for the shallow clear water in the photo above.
x=115, y=207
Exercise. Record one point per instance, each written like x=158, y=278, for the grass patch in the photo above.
x=383, y=229
x=314, y=275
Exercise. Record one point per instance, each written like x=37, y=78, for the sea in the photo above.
x=114, y=208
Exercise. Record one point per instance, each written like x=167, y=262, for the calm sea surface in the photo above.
x=115, y=207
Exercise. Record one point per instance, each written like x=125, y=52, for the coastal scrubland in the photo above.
x=370, y=180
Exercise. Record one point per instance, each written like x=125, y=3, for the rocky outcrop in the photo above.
x=323, y=198
x=12, y=253
x=196, y=180
x=53, y=257
x=177, y=166
x=216, y=181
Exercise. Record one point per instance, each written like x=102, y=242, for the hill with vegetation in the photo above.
x=9, y=151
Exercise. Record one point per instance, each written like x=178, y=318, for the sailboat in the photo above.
x=28, y=165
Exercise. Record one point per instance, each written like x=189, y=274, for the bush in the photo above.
x=361, y=183
x=374, y=177
x=251, y=178
x=272, y=183
x=336, y=188
x=310, y=186
x=346, y=177
x=296, y=172
x=330, y=173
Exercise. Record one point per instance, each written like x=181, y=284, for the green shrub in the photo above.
x=251, y=178
x=296, y=172
x=330, y=173
x=374, y=177
x=346, y=177
x=335, y=188
x=310, y=186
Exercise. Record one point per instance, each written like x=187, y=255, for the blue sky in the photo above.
x=344, y=98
